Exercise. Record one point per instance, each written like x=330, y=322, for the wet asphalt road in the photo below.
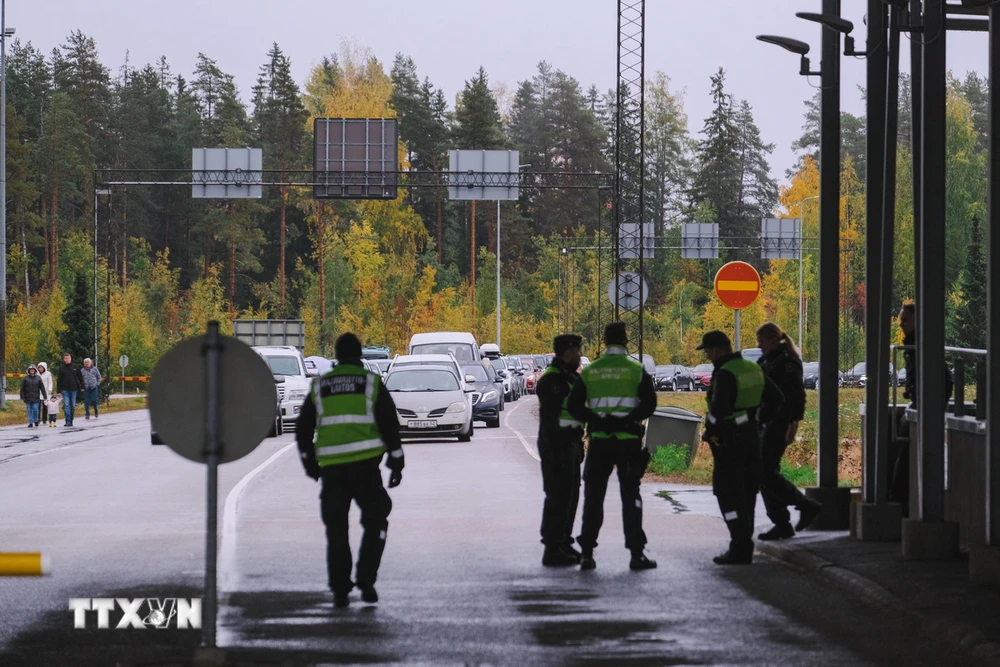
x=461, y=580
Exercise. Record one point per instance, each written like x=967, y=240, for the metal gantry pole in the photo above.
x=930, y=258
x=829, y=253
x=993, y=292
x=876, y=393
x=3, y=205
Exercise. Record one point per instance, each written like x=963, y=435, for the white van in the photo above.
x=286, y=361
x=461, y=345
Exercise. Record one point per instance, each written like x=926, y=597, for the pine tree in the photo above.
x=971, y=312
x=78, y=337
x=668, y=145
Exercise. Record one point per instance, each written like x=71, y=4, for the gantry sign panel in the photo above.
x=481, y=174
x=780, y=238
x=345, y=148
x=226, y=173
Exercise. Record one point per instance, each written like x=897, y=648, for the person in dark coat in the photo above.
x=781, y=363
x=33, y=393
x=69, y=383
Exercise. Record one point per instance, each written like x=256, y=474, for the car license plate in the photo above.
x=423, y=423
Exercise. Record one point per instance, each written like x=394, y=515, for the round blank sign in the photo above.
x=177, y=402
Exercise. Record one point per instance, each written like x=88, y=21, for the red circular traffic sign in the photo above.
x=737, y=284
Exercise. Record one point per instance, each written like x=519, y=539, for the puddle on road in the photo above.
x=678, y=506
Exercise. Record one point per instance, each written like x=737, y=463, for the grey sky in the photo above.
x=449, y=39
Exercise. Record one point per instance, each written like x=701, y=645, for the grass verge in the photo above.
x=17, y=414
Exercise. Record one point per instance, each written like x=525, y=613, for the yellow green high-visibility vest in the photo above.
x=345, y=415
x=613, y=387
x=565, y=418
x=749, y=389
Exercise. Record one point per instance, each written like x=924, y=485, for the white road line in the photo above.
x=227, y=551
x=524, y=442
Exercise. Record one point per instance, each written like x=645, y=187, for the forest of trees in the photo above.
x=167, y=263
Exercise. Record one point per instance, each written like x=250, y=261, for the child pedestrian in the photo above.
x=53, y=405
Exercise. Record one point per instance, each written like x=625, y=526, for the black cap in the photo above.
x=347, y=347
x=715, y=339
x=563, y=342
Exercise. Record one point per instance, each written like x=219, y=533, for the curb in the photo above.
x=958, y=633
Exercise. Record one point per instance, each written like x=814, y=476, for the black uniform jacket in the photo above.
x=552, y=390
x=385, y=419
x=786, y=370
x=723, y=397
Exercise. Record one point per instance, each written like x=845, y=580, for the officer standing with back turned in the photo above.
x=347, y=423
x=734, y=397
x=613, y=396
x=560, y=446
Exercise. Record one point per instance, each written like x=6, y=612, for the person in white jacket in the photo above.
x=46, y=376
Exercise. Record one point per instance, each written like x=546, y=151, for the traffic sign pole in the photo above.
x=737, y=318
x=213, y=364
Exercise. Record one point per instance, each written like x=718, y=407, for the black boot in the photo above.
x=734, y=558
x=341, y=600
x=807, y=513
x=557, y=557
x=781, y=531
x=368, y=593
x=641, y=562
x=587, y=561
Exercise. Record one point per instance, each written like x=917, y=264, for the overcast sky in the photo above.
x=449, y=39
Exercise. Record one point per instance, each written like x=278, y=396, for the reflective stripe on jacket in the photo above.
x=345, y=415
x=612, y=384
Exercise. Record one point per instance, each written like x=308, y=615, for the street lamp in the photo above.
x=5, y=32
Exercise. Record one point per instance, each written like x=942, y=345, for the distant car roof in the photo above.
x=416, y=358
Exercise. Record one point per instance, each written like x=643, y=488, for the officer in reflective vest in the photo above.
x=613, y=396
x=346, y=424
x=734, y=397
x=560, y=446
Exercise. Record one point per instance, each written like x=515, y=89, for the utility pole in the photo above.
x=3, y=205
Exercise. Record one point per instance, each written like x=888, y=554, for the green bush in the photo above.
x=800, y=476
x=669, y=459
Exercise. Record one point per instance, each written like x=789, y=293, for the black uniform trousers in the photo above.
x=735, y=480
x=561, y=483
x=360, y=481
x=630, y=459
x=779, y=494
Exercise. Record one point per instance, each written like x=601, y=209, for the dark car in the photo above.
x=810, y=374
x=673, y=377
x=702, y=374
x=487, y=396
x=858, y=376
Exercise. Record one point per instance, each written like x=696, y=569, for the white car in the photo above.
x=402, y=360
x=287, y=362
x=430, y=403
x=461, y=345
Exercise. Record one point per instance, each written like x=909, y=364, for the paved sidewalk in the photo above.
x=936, y=596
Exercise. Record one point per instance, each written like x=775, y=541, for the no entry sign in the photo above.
x=737, y=284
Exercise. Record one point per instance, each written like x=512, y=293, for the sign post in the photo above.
x=737, y=284
x=123, y=362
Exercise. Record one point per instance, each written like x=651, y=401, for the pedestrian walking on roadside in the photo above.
x=52, y=406
x=91, y=387
x=560, y=447
x=46, y=377
x=738, y=388
x=612, y=397
x=68, y=383
x=781, y=362
x=33, y=393
x=346, y=424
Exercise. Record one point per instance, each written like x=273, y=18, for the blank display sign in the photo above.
x=356, y=158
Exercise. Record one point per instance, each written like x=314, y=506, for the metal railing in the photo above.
x=960, y=356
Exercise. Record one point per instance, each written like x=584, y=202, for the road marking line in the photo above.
x=227, y=550
x=524, y=442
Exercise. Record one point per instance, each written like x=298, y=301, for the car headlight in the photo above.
x=299, y=395
x=458, y=406
x=489, y=395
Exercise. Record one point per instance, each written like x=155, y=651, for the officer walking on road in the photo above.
x=613, y=396
x=348, y=421
x=560, y=446
x=781, y=363
x=734, y=397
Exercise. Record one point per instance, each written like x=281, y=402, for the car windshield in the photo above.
x=810, y=367
x=383, y=364
x=477, y=370
x=498, y=364
x=284, y=365
x=461, y=351
x=421, y=380
x=858, y=367
x=541, y=363
x=703, y=368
